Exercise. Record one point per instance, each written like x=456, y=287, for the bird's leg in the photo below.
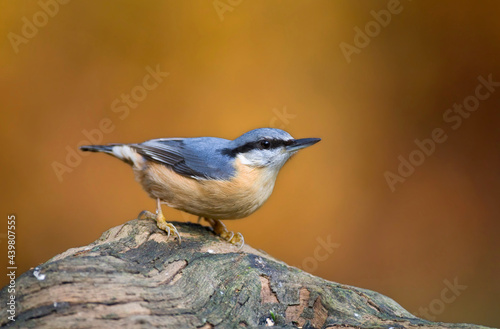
x=161, y=222
x=221, y=230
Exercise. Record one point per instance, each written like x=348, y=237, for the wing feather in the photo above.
x=192, y=162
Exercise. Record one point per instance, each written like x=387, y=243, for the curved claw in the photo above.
x=221, y=230
x=229, y=236
x=145, y=214
x=239, y=240
x=168, y=227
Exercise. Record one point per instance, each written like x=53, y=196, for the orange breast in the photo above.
x=217, y=199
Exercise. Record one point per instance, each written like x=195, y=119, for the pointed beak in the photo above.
x=298, y=144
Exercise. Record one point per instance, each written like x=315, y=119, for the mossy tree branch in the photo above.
x=133, y=277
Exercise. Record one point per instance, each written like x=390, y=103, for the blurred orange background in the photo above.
x=303, y=66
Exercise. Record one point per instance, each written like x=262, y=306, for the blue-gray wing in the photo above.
x=198, y=158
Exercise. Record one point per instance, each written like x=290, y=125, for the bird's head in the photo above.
x=267, y=147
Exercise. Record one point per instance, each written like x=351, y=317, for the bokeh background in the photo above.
x=237, y=65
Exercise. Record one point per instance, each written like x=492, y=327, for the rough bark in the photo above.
x=133, y=277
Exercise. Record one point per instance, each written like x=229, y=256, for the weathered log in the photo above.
x=133, y=277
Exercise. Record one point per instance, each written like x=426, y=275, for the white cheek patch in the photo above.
x=263, y=158
x=244, y=160
x=125, y=152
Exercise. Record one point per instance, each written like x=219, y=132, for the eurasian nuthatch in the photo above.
x=210, y=177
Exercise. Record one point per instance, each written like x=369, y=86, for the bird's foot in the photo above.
x=162, y=224
x=161, y=221
x=221, y=230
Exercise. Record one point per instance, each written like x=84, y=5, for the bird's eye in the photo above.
x=265, y=144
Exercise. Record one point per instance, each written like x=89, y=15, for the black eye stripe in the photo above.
x=276, y=143
x=258, y=145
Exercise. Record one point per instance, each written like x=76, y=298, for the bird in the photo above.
x=210, y=177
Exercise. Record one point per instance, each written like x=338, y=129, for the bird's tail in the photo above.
x=98, y=148
x=120, y=151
